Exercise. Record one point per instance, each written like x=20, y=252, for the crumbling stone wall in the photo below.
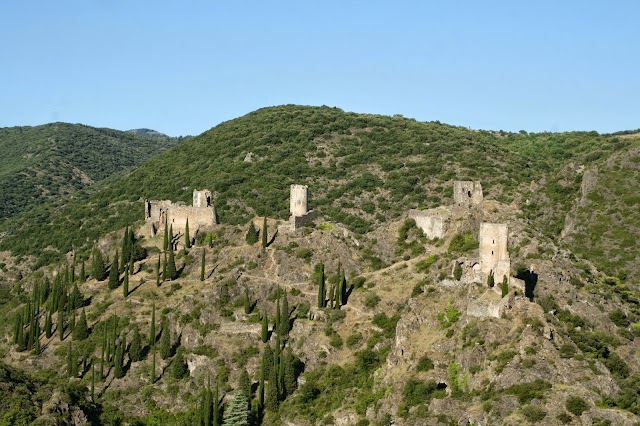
x=201, y=214
x=433, y=222
x=467, y=193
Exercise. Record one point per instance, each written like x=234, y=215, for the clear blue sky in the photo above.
x=181, y=67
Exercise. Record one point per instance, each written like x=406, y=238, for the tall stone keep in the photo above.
x=299, y=200
x=494, y=254
x=467, y=193
x=299, y=214
x=201, y=198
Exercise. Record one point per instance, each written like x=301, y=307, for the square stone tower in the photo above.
x=494, y=255
x=467, y=193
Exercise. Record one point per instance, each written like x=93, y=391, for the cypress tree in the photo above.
x=118, y=361
x=152, y=376
x=284, y=326
x=17, y=327
x=490, y=279
x=158, y=272
x=179, y=368
x=124, y=250
x=165, y=339
x=70, y=360
x=114, y=273
x=202, y=267
x=248, y=305
x=251, y=236
x=264, y=233
x=102, y=352
x=216, y=405
x=290, y=380
x=278, y=314
x=48, y=325
x=171, y=267
x=164, y=267
x=61, y=325
x=505, y=286
x=165, y=244
x=265, y=327
x=73, y=270
x=76, y=299
x=331, y=297
x=125, y=286
x=135, y=350
x=321, y=289
x=267, y=360
x=131, y=271
x=343, y=291
x=98, y=269
x=83, y=273
x=36, y=336
x=81, y=330
x=93, y=380
x=152, y=331
x=187, y=239
x=170, y=246
x=271, y=397
x=114, y=336
x=261, y=387
x=244, y=384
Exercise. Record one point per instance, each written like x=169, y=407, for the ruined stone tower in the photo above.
x=494, y=255
x=299, y=214
x=201, y=198
x=467, y=193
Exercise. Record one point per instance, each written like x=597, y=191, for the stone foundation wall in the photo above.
x=298, y=222
x=433, y=222
x=467, y=193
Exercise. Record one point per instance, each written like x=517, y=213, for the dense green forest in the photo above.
x=45, y=162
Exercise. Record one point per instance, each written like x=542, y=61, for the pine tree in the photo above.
x=264, y=234
x=265, y=327
x=152, y=331
x=252, y=234
x=322, y=294
x=135, y=350
x=505, y=286
x=202, y=266
x=179, y=368
x=187, y=239
x=81, y=330
x=125, y=285
x=48, y=325
x=165, y=244
x=237, y=413
x=98, y=268
x=61, y=325
x=165, y=339
x=114, y=273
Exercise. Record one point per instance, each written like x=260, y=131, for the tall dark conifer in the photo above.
x=265, y=327
x=264, y=234
x=202, y=266
x=114, y=273
x=322, y=294
x=187, y=239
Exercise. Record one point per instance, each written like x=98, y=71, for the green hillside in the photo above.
x=363, y=170
x=45, y=162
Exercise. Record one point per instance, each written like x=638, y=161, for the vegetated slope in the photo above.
x=363, y=170
x=44, y=162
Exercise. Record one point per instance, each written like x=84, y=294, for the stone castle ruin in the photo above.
x=299, y=213
x=467, y=193
x=201, y=214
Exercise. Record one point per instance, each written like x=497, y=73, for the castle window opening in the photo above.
x=469, y=194
x=491, y=251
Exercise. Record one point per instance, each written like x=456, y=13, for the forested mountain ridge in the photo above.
x=358, y=319
x=45, y=162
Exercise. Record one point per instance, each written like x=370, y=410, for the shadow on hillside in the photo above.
x=530, y=279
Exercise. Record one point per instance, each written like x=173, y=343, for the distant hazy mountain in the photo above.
x=47, y=161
